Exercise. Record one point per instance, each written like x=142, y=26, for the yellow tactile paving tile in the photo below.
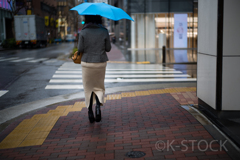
x=9, y=144
x=37, y=135
x=171, y=90
x=21, y=131
x=16, y=137
x=143, y=62
x=46, y=123
x=65, y=113
x=74, y=109
x=141, y=93
x=31, y=142
x=34, y=131
x=157, y=91
x=79, y=104
x=114, y=96
x=128, y=94
x=26, y=124
x=63, y=107
x=42, y=129
x=39, y=116
x=55, y=111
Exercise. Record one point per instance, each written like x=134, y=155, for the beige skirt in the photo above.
x=93, y=75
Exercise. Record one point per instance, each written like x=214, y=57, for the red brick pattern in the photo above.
x=186, y=97
x=128, y=124
x=115, y=54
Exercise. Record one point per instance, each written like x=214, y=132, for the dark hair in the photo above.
x=93, y=19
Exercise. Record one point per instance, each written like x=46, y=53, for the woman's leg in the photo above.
x=97, y=100
x=91, y=102
x=90, y=111
x=97, y=110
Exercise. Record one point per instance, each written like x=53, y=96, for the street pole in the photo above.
x=145, y=56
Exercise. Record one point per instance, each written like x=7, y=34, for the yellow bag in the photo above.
x=77, y=58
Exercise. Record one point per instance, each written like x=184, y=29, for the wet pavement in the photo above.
x=158, y=122
x=160, y=119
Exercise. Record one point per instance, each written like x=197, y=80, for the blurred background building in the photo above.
x=43, y=8
x=5, y=20
x=59, y=20
x=156, y=22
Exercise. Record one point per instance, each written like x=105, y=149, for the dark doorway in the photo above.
x=9, y=28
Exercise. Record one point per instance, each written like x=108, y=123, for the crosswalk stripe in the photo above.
x=64, y=87
x=74, y=69
x=69, y=75
x=20, y=60
x=50, y=61
x=31, y=60
x=38, y=60
x=124, y=76
x=3, y=92
x=8, y=59
x=125, y=72
x=124, y=80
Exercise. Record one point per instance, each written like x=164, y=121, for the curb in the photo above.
x=15, y=111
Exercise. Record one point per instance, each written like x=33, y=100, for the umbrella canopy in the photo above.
x=103, y=10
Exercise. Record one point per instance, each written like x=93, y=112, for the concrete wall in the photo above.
x=207, y=51
x=231, y=56
x=218, y=54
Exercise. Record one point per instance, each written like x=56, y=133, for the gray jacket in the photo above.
x=94, y=42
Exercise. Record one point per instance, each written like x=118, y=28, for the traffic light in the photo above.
x=83, y=22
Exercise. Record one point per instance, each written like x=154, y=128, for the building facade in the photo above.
x=69, y=21
x=47, y=10
x=42, y=8
x=157, y=23
x=5, y=20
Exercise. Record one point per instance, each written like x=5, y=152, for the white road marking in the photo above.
x=69, y=76
x=64, y=87
x=124, y=80
x=125, y=72
x=123, y=76
x=37, y=60
x=74, y=69
x=20, y=60
x=50, y=61
x=3, y=92
x=8, y=59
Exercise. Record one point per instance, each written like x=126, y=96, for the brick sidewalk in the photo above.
x=115, y=54
x=132, y=121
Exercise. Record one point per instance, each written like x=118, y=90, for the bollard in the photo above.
x=163, y=54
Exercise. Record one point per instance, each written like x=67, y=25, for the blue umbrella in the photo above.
x=103, y=10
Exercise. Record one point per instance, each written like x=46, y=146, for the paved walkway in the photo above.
x=151, y=121
x=115, y=55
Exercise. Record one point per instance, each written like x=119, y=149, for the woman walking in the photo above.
x=94, y=42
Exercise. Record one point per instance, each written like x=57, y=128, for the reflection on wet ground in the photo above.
x=190, y=69
x=156, y=55
x=184, y=60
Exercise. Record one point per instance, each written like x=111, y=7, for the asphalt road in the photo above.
x=25, y=80
x=25, y=74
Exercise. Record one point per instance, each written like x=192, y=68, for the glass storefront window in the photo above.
x=153, y=28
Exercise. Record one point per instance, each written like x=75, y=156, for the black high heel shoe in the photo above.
x=91, y=116
x=98, y=113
